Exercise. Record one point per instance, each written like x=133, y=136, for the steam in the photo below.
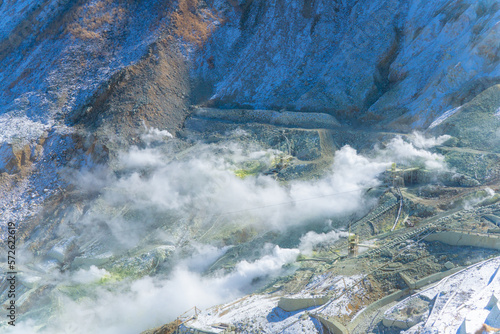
x=420, y=141
x=152, y=134
x=140, y=158
x=414, y=153
x=203, y=257
x=312, y=239
x=201, y=185
x=206, y=185
x=150, y=302
x=92, y=275
x=270, y=264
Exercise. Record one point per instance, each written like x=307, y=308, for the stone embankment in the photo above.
x=291, y=119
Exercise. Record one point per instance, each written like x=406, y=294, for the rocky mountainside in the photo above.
x=151, y=146
x=399, y=64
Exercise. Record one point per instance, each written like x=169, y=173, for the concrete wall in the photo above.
x=294, y=304
x=492, y=218
x=464, y=239
x=285, y=118
x=429, y=279
x=361, y=317
x=331, y=324
x=405, y=324
x=183, y=329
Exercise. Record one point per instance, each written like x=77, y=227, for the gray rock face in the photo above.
x=55, y=55
x=475, y=123
x=402, y=63
x=398, y=64
x=284, y=118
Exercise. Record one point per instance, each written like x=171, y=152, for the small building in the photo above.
x=401, y=177
x=352, y=244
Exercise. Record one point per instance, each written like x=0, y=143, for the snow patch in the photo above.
x=458, y=298
x=20, y=128
x=444, y=116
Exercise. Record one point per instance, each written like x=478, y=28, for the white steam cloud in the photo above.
x=92, y=275
x=150, y=302
x=140, y=158
x=203, y=183
x=206, y=185
x=152, y=134
x=312, y=239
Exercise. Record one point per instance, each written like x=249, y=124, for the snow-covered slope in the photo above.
x=399, y=62
x=59, y=60
x=461, y=302
x=56, y=54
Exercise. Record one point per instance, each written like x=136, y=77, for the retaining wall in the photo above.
x=294, y=304
x=331, y=324
x=455, y=238
x=285, y=118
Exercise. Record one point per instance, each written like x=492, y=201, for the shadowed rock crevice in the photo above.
x=382, y=81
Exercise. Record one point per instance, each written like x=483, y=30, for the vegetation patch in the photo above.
x=250, y=168
x=192, y=23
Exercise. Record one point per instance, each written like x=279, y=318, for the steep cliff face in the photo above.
x=58, y=53
x=153, y=92
x=78, y=76
x=398, y=63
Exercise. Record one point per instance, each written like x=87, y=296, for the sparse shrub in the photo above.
x=191, y=23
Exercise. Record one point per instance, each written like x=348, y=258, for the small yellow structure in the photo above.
x=399, y=177
x=352, y=244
